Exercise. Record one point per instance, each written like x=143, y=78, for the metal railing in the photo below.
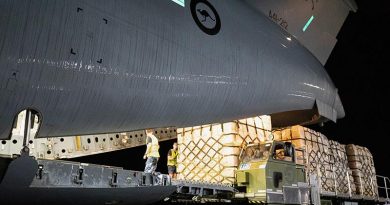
x=386, y=182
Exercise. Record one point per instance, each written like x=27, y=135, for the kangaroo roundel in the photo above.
x=205, y=16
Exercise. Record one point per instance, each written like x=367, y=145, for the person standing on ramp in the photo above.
x=151, y=155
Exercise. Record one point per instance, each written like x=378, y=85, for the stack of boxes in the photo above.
x=315, y=155
x=361, y=162
x=210, y=152
x=344, y=182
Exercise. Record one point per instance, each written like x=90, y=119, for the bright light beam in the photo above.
x=308, y=23
x=180, y=2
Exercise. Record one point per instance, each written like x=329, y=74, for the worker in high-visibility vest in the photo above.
x=172, y=161
x=151, y=153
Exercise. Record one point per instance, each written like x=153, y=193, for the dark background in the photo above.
x=358, y=66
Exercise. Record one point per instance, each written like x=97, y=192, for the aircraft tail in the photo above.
x=315, y=23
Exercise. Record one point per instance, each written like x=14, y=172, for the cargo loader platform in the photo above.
x=61, y=182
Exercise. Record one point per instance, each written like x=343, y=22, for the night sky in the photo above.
x=358, y=66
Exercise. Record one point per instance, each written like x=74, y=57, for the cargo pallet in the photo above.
x=299, y=192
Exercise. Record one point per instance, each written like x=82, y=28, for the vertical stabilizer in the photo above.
x=315, y=23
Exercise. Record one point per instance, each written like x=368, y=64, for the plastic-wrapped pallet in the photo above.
x=361, y=162
x=315, y=156
x=210, y=153
x=343, y=175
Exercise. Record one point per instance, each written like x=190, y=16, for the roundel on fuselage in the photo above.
x=205, y=16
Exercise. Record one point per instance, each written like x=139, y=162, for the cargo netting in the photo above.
x=361, y=162
x=210, y=153
x=342, y=170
